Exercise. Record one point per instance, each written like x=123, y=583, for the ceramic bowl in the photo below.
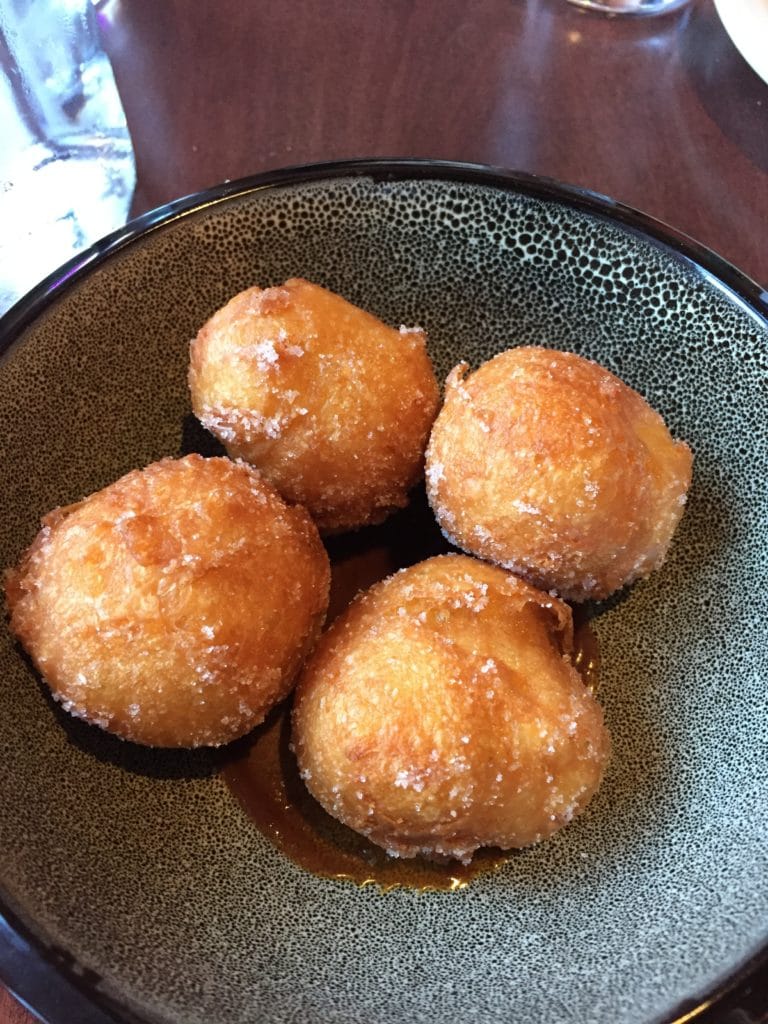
x=135, y=886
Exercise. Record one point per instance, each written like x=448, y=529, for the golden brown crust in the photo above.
x=175, y=606
x=333, y=406
x=551, y=466
x=441, y=712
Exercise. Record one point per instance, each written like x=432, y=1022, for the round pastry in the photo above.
x=442, y=712
x=551, y=466
x=333, y=406
x=174, y=607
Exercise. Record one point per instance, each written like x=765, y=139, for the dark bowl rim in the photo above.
x=716, y=268
x=28, y=967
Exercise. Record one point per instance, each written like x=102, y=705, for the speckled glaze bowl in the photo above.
x=137, y=889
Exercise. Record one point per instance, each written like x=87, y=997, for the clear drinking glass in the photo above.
x=629, y=6
x=67, y=169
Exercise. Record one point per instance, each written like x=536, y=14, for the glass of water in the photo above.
x=629, y=6
x=67, y=170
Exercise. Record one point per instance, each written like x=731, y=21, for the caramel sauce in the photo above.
x=267, y=784
x=266, y=779
x=586, y=651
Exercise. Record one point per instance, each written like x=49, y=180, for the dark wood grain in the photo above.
x=12, y=1012
x=662, y=114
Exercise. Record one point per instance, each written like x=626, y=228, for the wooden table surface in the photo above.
x=660, y=113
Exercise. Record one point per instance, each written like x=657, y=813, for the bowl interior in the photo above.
x=143, y=866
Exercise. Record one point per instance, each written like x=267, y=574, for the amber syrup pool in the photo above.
x=266, y=779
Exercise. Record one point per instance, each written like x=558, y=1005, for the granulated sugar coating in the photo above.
x=139, y=868
x=551, y=466
x=333, y=406
x=441, y=713
x=174, y=607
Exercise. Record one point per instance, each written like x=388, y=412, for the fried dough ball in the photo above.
x=441, y=713
x=174, y=607
x=551, y=466
x=333, y=406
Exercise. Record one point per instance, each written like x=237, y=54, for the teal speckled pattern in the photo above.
x=143, y=866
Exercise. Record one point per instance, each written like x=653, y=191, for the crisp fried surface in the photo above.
x=441, y=713
x=333, y=406
x=549, y=465
x=174, y=607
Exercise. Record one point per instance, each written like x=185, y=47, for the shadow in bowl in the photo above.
x=153, y=762
x=196, y=439
x=267, y=783
x=362, y=558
